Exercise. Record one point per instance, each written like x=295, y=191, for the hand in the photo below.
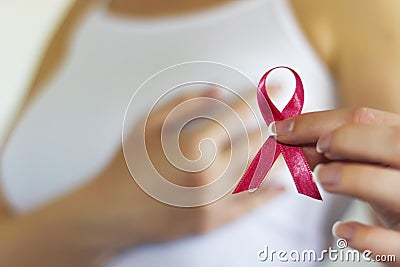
x=112, y=213
x=362, y=158
x=137, y=218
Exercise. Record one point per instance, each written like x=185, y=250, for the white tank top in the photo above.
x=73, y=128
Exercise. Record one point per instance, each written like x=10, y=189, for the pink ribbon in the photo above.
x=293, y=155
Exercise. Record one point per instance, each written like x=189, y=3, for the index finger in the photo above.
x=307, y=128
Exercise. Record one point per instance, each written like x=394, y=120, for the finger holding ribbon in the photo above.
x=362, y=146
x=271, y=149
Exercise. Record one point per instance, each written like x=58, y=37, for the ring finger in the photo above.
x=374, y=184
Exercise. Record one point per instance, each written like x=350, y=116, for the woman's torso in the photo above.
x=73, y=128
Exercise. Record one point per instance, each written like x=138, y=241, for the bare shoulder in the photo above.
x=334, y=26
x=359, y=40
x=368, y=17
x=368, y=58
x=368, y=11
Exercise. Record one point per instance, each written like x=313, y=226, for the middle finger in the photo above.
x=371, y=143
x=374, y=184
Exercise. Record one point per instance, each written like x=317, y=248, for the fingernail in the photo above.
x=284, y=127
x=329, y=176
x=343, y=230
x=323, y=144
x=334, y=228
x=314, y=173
x=272, y=129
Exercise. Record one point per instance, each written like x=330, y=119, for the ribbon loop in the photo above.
x=294, y=157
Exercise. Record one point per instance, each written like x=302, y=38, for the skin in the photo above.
x=96, y=223
x=370, y=173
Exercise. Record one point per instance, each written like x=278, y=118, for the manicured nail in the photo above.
x=323, y=144
x=272, y=129
x=329, y=176
x=334, y=228
x=343, y=230
x=314, y=174
x=284, y=127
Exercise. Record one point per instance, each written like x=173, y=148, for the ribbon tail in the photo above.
x=300, y=171
x=259, y=167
